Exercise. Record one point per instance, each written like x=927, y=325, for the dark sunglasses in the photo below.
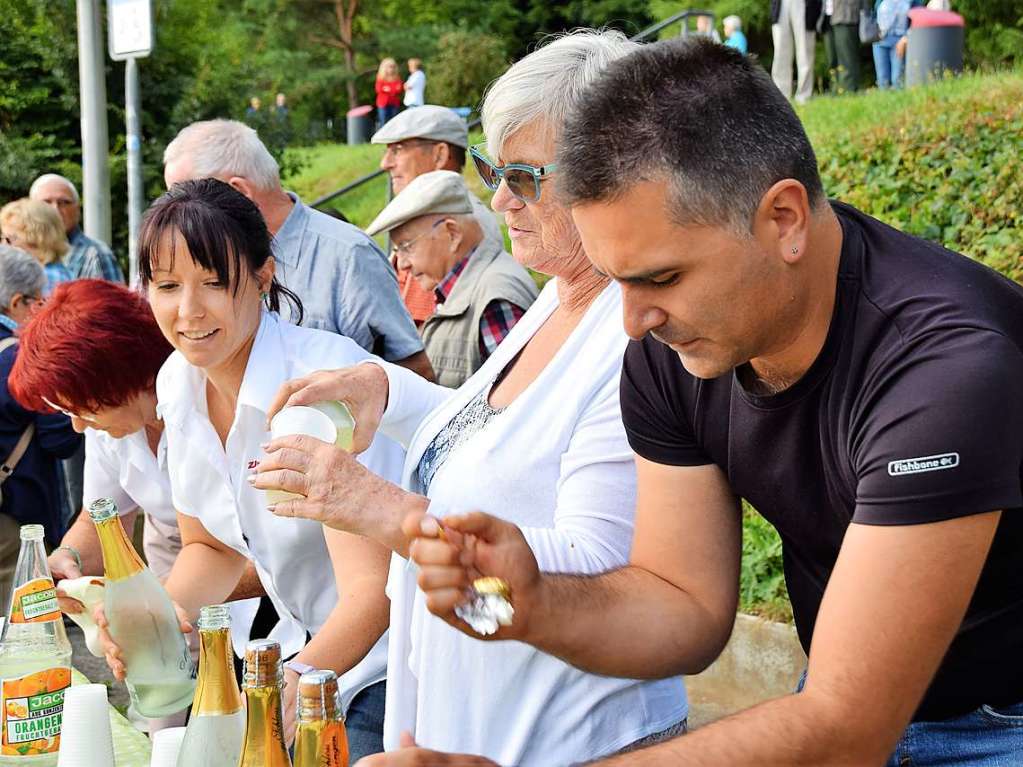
x=523, y=180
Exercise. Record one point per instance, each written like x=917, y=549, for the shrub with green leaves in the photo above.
x=945, y=164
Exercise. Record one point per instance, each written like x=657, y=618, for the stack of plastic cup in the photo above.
x=166, y=745
x=85, y=739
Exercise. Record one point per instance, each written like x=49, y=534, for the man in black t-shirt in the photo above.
x=860, y=387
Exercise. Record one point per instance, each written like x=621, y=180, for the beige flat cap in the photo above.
x=427, y=122
x=439, y=191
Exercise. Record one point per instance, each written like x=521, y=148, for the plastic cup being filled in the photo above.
x=85, y=739
x=330, y=422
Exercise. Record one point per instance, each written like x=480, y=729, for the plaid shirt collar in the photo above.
x=445, y=286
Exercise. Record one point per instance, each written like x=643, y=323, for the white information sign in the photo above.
x=130, y=28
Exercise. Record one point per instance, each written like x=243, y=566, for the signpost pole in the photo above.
x=134, y=145
x=93, y=96
x=131, y=38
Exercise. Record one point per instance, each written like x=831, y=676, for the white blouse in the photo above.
x=125, y=470
x=557, y=463
x=208, y=480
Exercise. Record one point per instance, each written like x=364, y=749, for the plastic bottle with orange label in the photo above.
x=35, y=662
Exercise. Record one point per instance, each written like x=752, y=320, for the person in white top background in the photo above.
x=415, y=85
x=205, y=259
x=534, y=436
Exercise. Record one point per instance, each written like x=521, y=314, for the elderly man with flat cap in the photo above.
x=418, y=141
x=480, y=290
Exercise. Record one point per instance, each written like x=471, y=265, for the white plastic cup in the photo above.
x=166, y=746
x=308, y=421
x=85, y=739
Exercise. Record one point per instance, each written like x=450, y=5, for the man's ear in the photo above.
x=455, y=234
x=243, y=185
x=441, y=155
x=781, y=223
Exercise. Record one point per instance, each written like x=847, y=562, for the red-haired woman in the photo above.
x=93, y=352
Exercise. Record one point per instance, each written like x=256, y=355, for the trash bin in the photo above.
x=360, y=124
x=935, y=45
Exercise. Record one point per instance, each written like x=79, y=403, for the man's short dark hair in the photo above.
x=695, y=113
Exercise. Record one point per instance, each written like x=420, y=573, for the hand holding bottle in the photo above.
x=64, y=566
x=112, y=652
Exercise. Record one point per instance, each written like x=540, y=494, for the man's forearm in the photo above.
x=791, y=731
x=678, y=636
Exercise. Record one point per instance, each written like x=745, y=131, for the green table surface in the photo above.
x=131, y=747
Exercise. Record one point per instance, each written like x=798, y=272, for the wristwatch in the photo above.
x=298, y=667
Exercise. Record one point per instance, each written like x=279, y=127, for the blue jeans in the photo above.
x=887, y=65
x=383, y=115
x=987, y=737
x=364, y=723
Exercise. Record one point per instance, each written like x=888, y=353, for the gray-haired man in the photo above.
x=87, y=257
x=342, y=277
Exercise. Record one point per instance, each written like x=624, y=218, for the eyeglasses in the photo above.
x=68, y=413
x=523, y=180
x=405, y=248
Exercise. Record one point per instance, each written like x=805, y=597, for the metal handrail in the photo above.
x=637, y=38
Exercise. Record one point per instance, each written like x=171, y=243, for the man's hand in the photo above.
x=112, y=652
x=453, y=553
x=363, y=388
x=410, y=755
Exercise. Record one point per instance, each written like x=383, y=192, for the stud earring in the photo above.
x=262, y=296
x=795, y=250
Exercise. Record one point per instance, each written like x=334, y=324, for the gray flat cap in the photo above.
x=429, y=122
x=439, y=191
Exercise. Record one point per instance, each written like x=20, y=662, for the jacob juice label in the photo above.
x=35, y=602
x=32, y=711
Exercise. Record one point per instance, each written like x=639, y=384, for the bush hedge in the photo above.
x=945, y=164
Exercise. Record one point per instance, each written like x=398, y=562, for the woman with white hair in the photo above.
x=36, y=228
x=534, y=436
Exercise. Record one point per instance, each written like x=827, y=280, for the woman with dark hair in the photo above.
x=205, y=259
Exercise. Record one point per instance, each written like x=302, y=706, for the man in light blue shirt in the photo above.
x=86, y=257
x=343, y=279
x=734, y=36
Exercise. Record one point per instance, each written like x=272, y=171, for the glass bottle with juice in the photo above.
x=264, y=720
x=216, y=727
x=330, y=421
x=160, y=675
x=35, y=661
x=320, y=738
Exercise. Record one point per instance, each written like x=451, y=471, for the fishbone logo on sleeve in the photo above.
x=923, y=463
